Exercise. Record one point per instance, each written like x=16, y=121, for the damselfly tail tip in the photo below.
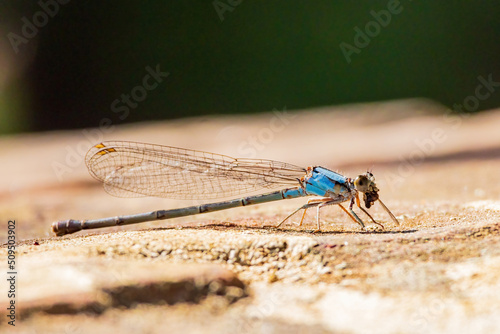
x=64, y=227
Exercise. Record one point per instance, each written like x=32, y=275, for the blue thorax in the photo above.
x=326, y=183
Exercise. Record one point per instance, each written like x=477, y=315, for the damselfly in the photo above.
x=130, y=169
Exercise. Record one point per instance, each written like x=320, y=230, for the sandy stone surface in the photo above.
x=232, y=271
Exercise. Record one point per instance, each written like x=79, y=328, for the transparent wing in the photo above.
x=130, y=169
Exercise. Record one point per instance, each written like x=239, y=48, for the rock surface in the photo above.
x=233, y=271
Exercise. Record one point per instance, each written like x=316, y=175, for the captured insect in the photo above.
x=131, y=169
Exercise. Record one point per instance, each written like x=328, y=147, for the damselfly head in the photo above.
x=365, y=183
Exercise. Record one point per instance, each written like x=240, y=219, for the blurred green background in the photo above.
x=81, y=59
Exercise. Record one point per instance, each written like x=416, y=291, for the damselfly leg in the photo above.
x=356, y=198
x=321, y=202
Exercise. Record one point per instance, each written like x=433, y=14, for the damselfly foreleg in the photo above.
x=351, y=205
x=353, y=216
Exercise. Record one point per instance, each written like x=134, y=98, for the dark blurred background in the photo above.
x=69, y=64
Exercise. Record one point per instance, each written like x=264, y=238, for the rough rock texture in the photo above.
x=233, y=271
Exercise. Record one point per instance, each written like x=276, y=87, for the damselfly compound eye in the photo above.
x=362, y=183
